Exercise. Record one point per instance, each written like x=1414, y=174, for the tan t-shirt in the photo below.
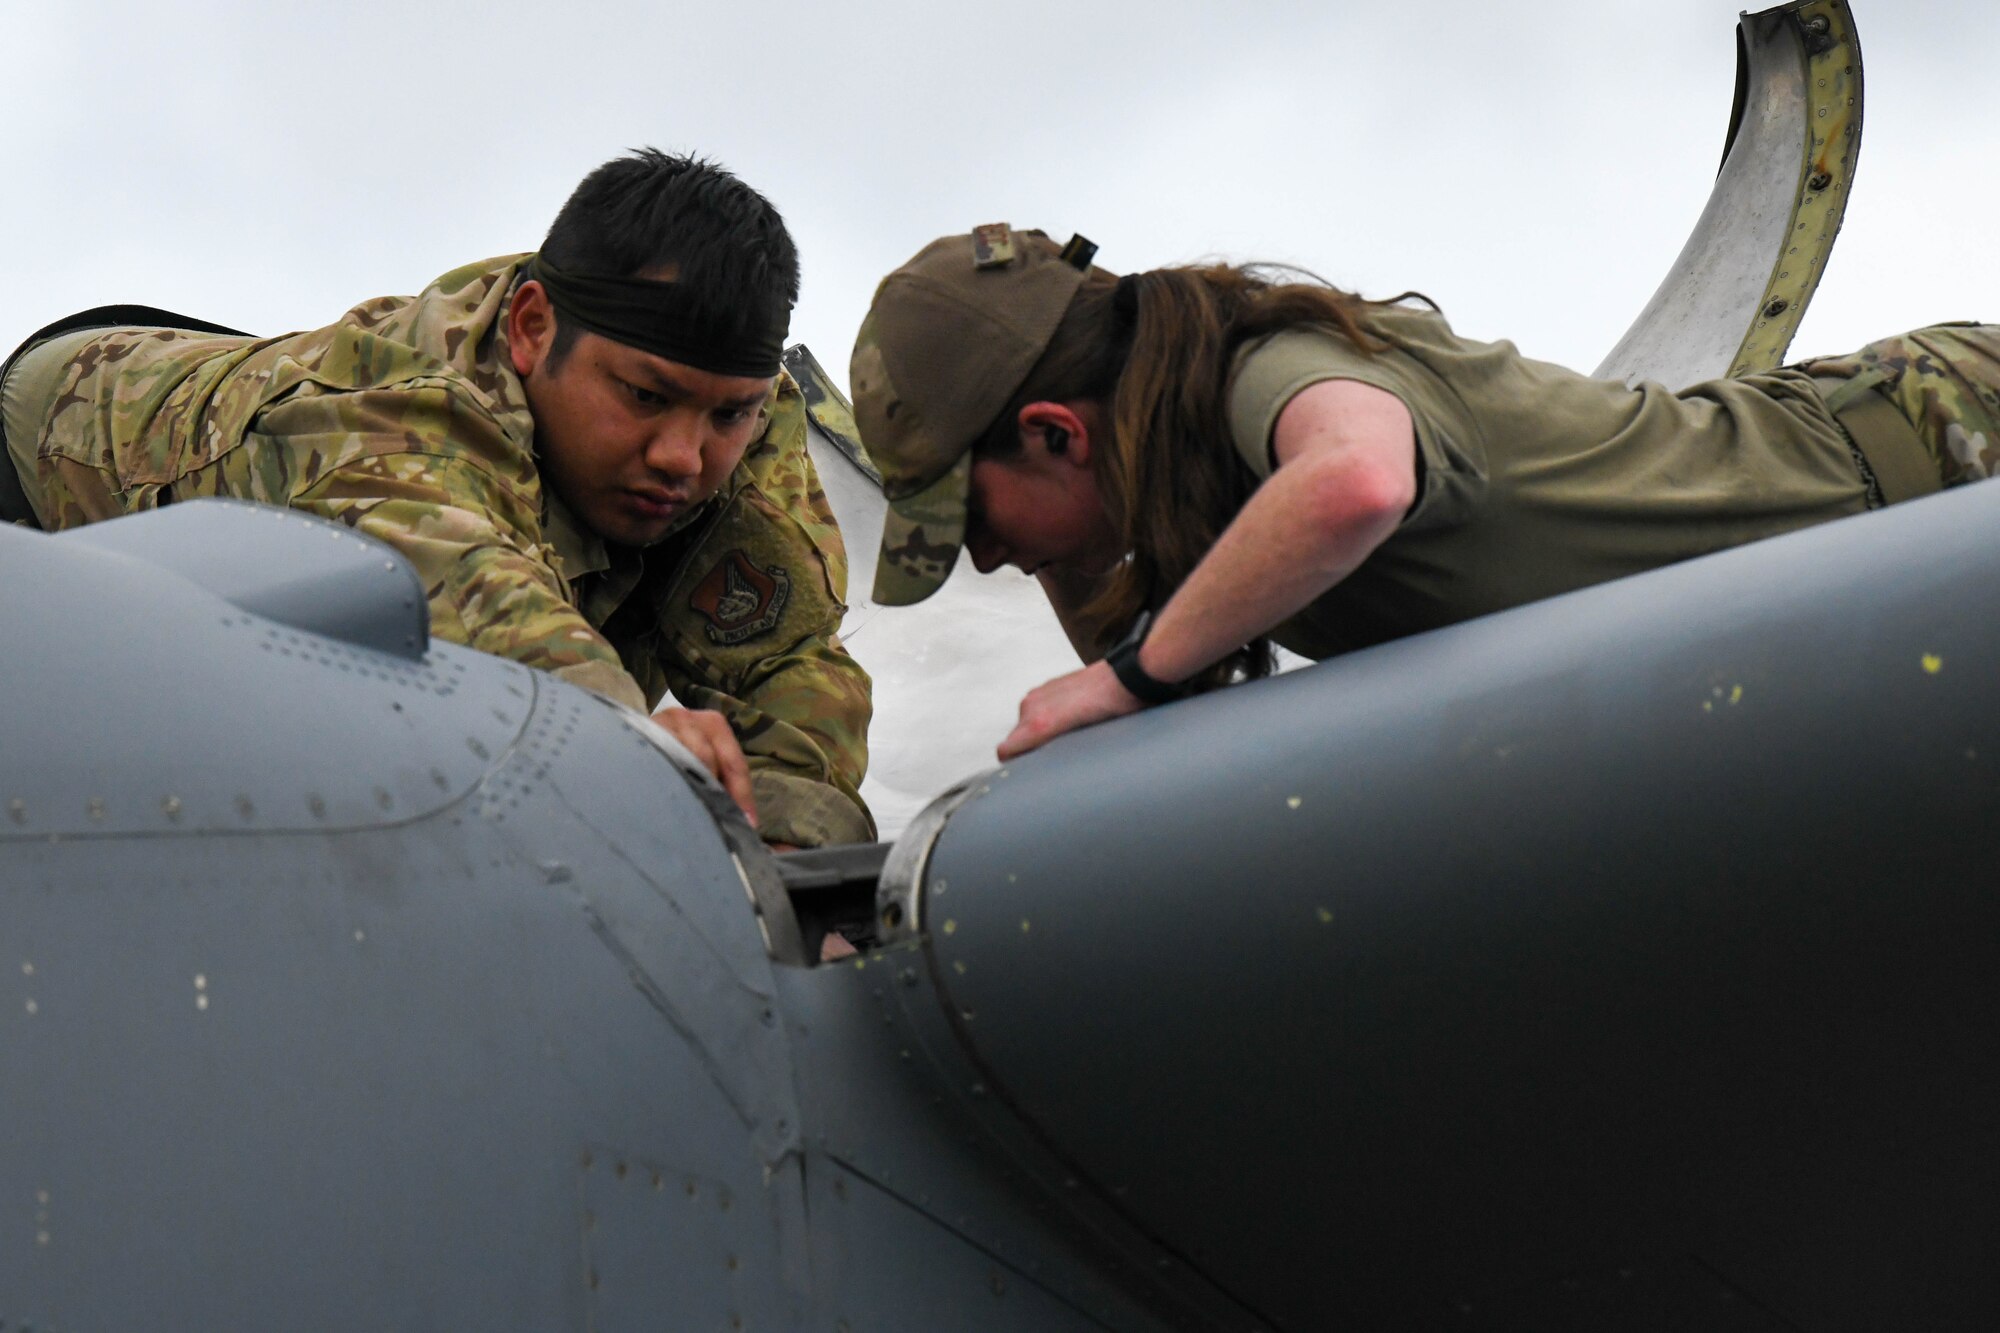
x=1534, y=480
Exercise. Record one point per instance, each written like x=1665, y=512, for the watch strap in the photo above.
x=1123, y=659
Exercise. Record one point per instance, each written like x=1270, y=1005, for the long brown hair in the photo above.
x=1154, y=350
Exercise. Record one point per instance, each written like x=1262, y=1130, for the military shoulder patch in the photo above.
x=741, y=600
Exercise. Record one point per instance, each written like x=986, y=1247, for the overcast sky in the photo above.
x=1534, y=167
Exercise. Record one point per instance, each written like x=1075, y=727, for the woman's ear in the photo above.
x=1059, y=431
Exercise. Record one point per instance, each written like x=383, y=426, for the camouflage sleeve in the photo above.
x=489, y=589
x=751, y=632
x=473, y=537
x=802, y=718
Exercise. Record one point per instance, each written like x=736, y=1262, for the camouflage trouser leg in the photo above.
x=1946, y=380
x=28, y=394
x=21, y=427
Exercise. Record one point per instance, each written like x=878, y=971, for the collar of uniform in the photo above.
x=578, y=550
x=489, y=360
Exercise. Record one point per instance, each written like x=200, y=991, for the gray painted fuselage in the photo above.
x=1619, y=962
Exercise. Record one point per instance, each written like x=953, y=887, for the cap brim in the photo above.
x=921, y=534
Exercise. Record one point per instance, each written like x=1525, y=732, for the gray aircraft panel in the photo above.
x=1583, y=1001
x=432, y=738
x=445, y=1051
x=1618, y=962
x=1554, y=944
x=349, y=587
x=939, y=1281
x=893, y=1105
x=388, y=1039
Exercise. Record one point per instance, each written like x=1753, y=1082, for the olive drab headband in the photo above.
x=665, y=319
x=950, y=338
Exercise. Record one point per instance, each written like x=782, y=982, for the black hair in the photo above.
x=649, y=211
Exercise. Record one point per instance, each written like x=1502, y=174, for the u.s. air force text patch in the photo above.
x=740, y=600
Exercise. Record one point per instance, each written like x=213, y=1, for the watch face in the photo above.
x=1137, y=634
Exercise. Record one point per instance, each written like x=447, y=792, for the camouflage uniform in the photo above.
x=1943, y=378
x=405, y=421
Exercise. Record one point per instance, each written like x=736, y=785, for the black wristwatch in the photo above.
x=1124, y=663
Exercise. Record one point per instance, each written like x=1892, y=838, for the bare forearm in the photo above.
x=1280, y=554
x=1345, y=475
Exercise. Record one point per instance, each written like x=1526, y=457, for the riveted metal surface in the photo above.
x=358, y=1071
x=296, y=569
x=1644, y=923
x=941, y=1280
x=665, y=1245
x=193, y=679
x=899, y=901
x=756, y=869
x=892, y=1099
x=1832, y=114
x=1736, y=293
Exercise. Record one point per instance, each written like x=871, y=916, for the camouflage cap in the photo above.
x=950, y=338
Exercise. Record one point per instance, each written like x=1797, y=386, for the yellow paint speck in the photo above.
x=1736, y=694
x=1325, y=917
x=959, y=968
x=1024, y=925
x=951, y=927
x=1294, y=801
x=1932, y=664
x=1012, y=878
x=200, y=981
x=1708, y=705
x=860, y=963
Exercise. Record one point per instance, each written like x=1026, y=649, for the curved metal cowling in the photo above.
x=297, y=570
x=343, y=987
x=1627, y=953
x=1735, y=295
x=345, y=990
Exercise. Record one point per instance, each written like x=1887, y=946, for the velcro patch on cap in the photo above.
x=1079, y=252
x=992, y=245
x=741, y=600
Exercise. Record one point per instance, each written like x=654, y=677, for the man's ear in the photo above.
x=531, y=327
x=1057, y=431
